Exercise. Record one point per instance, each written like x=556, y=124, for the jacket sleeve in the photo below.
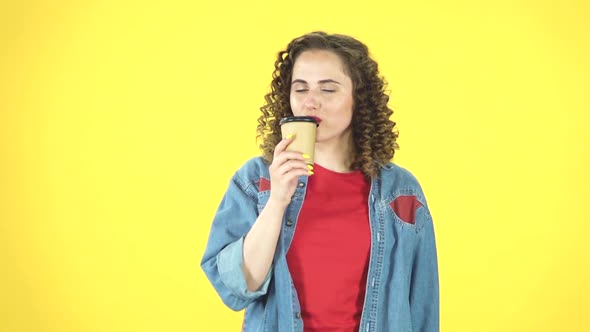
x=223, y=257
x=424, y=287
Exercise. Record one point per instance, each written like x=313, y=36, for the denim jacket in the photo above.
x=402, y=292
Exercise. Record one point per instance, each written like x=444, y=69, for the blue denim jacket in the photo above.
x=402, y=291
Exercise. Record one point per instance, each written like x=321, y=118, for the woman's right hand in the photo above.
x=285, y=169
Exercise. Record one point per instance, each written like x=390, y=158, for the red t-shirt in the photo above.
x=329, y=256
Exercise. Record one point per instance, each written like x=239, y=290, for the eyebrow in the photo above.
x=321, y=81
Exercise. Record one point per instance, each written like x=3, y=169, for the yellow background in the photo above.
x=122, y=121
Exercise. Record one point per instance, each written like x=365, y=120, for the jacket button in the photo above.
x=289, y=222
x=301, y=184
x=298, y=315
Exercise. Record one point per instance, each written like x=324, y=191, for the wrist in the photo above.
x=278, y=203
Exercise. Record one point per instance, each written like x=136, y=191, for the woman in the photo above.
x=344, y=245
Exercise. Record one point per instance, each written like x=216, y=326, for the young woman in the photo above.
x=346, y=244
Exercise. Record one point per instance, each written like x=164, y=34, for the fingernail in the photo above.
x=310, y=172
x=310, y=167
x=289, y=136
x=305, y=156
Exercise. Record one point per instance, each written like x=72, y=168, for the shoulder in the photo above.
x=395, y=175
x=253, y=173
x=255, y=166
x=396, y=180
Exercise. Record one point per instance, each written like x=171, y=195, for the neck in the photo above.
x=336, y=155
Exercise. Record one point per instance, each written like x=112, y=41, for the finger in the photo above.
x=283, y=144
x=292, y=165
x=288, y=155
x=295, y=174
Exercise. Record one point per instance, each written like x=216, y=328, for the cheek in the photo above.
x=294, y=102
x=345, y=107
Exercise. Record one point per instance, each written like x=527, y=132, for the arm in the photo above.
x=260, y=244
x=222, y=261
x=242, y=244
x=261, y=241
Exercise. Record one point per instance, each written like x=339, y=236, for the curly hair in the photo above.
x=373, y=132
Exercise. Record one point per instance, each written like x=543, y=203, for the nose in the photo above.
x=312, y=101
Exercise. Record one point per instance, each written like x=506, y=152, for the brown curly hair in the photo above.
x=373, y=132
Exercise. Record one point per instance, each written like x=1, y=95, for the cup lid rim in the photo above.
x=298, y=119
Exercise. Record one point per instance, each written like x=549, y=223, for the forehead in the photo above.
x=319, y=64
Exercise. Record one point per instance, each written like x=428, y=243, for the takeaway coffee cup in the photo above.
x=304, y=128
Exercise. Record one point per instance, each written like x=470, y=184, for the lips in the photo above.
x=317, y=119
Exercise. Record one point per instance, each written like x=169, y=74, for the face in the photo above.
x=320, y=88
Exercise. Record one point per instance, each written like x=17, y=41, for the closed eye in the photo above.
x=301, y=90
